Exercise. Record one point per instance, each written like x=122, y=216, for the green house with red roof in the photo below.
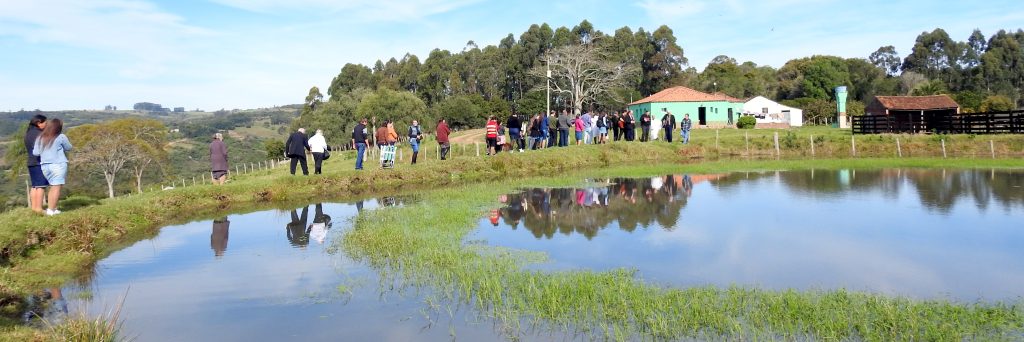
x=706, y=110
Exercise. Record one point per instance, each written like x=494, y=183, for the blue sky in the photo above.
x=74, y=54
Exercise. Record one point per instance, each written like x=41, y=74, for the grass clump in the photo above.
x=422, y=245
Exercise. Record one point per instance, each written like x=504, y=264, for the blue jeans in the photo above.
x=563, y=137
x=360, y=151
x=535, y=142
x=415, y=144
x=550, y=138
x=685, y=135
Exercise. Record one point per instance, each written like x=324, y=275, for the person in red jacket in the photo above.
x=442, y=132
x=492, y=135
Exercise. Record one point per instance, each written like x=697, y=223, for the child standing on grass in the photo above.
x=50, y=147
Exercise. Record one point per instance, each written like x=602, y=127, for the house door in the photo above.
x=730, y=115
x=702, y=115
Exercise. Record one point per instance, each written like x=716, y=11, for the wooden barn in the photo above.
x=915, y=114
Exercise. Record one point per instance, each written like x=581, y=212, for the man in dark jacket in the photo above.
x=296, y=148
x=35, y=172
x=442, y=132
x=668, y=123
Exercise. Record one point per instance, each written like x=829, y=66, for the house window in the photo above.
x=764, y=110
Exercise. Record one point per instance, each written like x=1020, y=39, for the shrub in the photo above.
x=746, y=122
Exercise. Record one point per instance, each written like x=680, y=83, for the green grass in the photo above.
x=37, y=252
x=422, y=244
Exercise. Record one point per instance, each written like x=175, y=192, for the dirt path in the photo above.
x=469, y=136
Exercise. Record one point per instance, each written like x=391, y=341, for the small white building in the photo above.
x=768, y=111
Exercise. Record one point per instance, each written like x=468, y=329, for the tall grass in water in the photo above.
x=81, y=328
x=422, y=245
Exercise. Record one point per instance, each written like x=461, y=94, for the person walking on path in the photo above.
x=50, y=147
x=684, y=128
x=218, y=160
x=318, y=146
x=563, y=129
x=442, y=133
x=668, y=123
x=35, y=171
x=360, y=139
x=415, y=137
x=296, y=148
x=514, y=131
x=645, y=126
x=492, y=134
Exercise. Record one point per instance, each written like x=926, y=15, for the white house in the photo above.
x=768, y=111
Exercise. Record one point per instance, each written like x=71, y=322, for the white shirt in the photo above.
x=317, y=144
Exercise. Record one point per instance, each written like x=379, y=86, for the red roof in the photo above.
x=684, y=94
x=917, y=102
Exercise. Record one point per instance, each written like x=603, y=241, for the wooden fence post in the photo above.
x=477, y=148
x=899, y=150
x=778, y=153
x=193, y=180
x=746, y=142
x=853, y=146
x=716, y=138
x=943, y=148
x=992, y=147
x=812, y=145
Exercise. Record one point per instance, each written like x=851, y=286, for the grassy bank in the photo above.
x=422, y=244
x=38, y=252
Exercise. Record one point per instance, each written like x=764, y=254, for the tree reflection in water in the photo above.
x=640, y=202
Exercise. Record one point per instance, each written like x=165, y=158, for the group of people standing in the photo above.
x=541, y=131
x=46, y=147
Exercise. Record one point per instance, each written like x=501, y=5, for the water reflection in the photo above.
x=921, y=233
x=219, y=236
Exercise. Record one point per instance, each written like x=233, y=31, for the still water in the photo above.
x=917, y=233
x=265, y=276
x=273, y=275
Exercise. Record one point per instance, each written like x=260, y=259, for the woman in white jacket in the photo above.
x=318, y=146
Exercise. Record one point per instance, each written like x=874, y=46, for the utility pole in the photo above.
x=548, y=90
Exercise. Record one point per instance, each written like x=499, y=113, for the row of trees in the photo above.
x=593, y=69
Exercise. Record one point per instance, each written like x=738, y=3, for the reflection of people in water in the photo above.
x=587, y=210
x=321, y=223
x=219, y=236
x=48, y=305
x=359, y=206
x=296, y=230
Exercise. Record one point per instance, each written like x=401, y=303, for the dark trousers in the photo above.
x=646, y=134
x=630, y=134
x=318, y=159
x=299, y=160
x=668, y=133
x=563, y=137
x=616, y=133
x=445, y=147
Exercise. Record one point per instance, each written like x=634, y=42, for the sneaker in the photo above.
x=52, y=212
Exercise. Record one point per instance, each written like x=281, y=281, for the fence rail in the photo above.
x=967, y=123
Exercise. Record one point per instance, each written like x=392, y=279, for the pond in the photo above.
x=264, y=276
x=277, y=275
x=918, y=233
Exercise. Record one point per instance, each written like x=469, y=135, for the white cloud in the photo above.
x=137, y=31
x=360, y=10
x=671, y=11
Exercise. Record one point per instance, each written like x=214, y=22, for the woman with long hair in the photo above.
x=51, y=147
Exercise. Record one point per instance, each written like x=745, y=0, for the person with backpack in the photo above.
x=668, y=122
x=536, y=134
x=602, y=128
x=35, y=171
x=50, y=147
x=415, y=137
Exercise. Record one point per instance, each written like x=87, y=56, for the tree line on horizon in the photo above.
x=469, y=85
